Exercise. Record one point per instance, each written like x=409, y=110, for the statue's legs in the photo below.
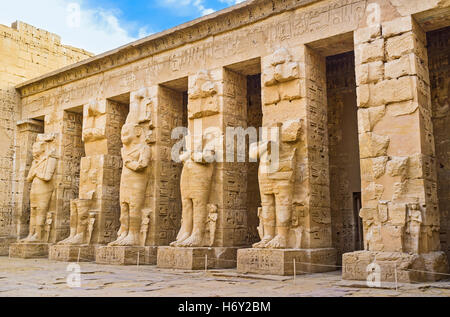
x=124, y=223
x=134, y=212
x=73, y=222
x=283, y=202
x=32, y=226
x=199, y=203
x=268, y=219
x=82, y=222
x=186, y=222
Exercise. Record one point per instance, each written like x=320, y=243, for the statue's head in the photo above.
x=38, y=149
x=130, y=132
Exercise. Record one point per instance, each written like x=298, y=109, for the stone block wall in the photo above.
x=25, y=52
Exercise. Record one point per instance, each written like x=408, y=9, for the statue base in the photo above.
x=126, y=255
x=72, y=253
x=281, y=261
x=5, y=243
x=394, y=266
x=197, y=258
x=29, y=250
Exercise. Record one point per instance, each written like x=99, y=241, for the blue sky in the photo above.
x=101, y=25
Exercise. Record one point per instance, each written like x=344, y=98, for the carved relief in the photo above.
x=92, y=130
x=202, y=96
x=278, y=71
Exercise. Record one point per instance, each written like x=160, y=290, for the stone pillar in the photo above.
x=399, y=193
x=94, y=200
x=217, y=99
x=16, y=221
x=130, y=248
x=294, y=91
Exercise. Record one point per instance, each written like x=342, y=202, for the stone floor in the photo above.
x=45, y=278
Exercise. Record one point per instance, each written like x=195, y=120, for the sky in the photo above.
x=101, y=25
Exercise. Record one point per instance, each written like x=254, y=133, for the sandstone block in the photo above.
x=368, y=73
x=357, y=266
x=196, y=258
x=281, y=261
x=370, y=52
x=367, y=34
x=397, y=26
x=126, y=255
x=5, y=244
x=29, y=250
x=72, y=253
x=405, y=44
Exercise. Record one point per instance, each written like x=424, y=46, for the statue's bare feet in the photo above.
x=27, y=239
x=263, y=243
x=77, y=240
x=279, y=242
x=66, y=241
x=194, y=240
x=130, y=240
x=116, y=243
x=182, y=236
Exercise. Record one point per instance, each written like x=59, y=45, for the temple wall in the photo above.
x=361, y=124
x=25, y=52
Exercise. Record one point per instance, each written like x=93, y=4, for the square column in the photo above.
x=94, y=209
x=295, y=100
x=213, y=187
x=18, y=218
x=399, y=187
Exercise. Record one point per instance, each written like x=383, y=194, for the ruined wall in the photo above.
x=25, y=53
x=345, y=176
x=439, y=65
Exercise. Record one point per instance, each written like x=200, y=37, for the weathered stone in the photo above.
x=197, y=258
x=72, y=253
x=28, y=250
x=283, y=262
x=126, y=255
x=393, y=266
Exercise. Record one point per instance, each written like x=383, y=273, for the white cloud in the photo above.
x=95, y=30
x=197, y=5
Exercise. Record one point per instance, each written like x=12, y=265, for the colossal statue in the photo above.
x=41, y=177
x=276, y=181
x=195, y=190
x=136, y=160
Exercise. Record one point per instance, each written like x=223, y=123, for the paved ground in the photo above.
x=45, y=278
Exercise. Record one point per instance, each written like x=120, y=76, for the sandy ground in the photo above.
x=45, y=278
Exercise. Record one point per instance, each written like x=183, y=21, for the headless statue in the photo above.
x=133, y=185
x=195, y=189
x=42, y=187
x=276, y=182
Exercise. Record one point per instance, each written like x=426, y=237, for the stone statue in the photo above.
x=212, y=223
x=136, y=160
x=41, y=177
x=413, y=227
x=79, y=222
x=49, y=225
x=195, y=190
x=146, y=214
x=92, y=113
x=276, y=182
